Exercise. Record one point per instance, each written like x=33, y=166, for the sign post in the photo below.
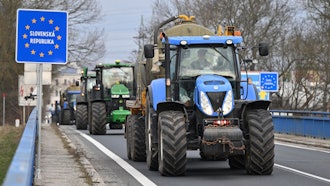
x=41, y=37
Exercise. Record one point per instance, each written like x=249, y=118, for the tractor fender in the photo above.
x=82, y=103
x=258, y=104
x=98, y=100
x=170, y=105
x=157, y=92
x=252, y=105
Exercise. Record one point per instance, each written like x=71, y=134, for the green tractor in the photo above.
x=114, y=85
x=87, y=80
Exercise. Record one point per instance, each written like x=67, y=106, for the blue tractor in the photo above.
x=68, y=102
x=202, y=104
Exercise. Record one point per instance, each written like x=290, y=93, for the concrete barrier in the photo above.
x=21, y=170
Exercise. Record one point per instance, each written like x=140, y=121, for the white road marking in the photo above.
x=302, y=173
x=145, y=181
x=302, y=147
x=129, y=169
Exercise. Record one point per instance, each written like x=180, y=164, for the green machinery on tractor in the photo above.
x=114, y=84
x=87, y=80
x=68, y=102
x=205, y=107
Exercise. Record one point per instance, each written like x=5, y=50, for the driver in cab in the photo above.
x=201, y=63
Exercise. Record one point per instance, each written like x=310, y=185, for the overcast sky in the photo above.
x=121, y=21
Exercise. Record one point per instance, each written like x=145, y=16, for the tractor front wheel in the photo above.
x=99, y=118
x=172, y=149
x=66, y=117
x=81, y=117
x=259, y=157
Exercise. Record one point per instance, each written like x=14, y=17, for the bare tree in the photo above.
x=9, y=69
x=319, y=14
x=85, y=44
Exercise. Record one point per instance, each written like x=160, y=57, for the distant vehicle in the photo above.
x=87, y=81
x=106, y=103
x=68, y=102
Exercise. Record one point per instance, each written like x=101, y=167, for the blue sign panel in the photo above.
x=269, y=81
x=41, y=36
x=255, y=77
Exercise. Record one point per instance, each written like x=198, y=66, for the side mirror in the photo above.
x=263, y=49
x=149, y=51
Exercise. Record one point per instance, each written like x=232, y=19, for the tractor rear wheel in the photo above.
x=151, y=149
x=81, y=117
x=259, y=157
x=99, y=118
x=237, y=162
x=128, y=135
x=138, y=146
x=172, y=149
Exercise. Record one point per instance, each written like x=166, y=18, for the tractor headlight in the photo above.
x=114, y=96
x=205, y=103
x=126, y=96
x=97, y=87
x=229, y=42
x=228, y=103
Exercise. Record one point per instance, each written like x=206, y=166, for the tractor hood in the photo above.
x=119, y=89
x=212, y=94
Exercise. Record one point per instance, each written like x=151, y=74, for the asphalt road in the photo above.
x=107, y=153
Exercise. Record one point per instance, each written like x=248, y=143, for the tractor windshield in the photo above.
x=90, y=83
x=121, y=75
x=207, y=60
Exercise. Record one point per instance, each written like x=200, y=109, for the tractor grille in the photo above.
x=114, y=104
x=216, y=99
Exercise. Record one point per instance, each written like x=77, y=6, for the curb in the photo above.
x=305, y=141
x=95, y=177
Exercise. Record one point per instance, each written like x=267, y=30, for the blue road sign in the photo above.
x=41, y=36
x=269, y=81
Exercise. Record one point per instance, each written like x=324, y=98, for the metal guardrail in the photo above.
x=302, y=123
x=21, y=170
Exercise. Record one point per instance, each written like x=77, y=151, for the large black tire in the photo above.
x=172, y=149
x=66, y=117
x=138, y=146
x=128, y=135
x=99, y=118
x=151, y=149
x=259, y=157
x=81, y=117
x=89, y=113
x=237, y=162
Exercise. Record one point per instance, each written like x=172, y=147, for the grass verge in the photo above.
x=9, y=139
